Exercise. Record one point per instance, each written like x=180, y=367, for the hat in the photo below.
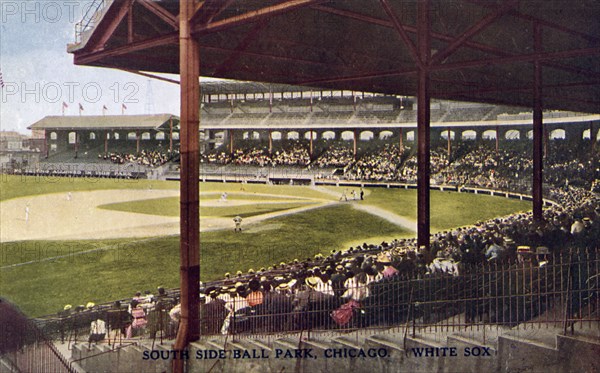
x=283, y=286
x=227, y=274
x=250, y=271
x=523, y=250
x=383, y=258
x=239, y=273
x=312, y=281
x=90, y=305
x=339, y=268
x=67, y=307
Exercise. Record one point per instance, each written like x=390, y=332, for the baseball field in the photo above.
x=76, y=240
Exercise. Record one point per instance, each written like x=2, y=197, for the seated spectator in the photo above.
x=139, y=322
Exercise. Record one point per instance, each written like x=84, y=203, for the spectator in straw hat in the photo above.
x=388, y=269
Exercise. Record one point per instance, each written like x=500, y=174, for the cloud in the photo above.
x=39, y=73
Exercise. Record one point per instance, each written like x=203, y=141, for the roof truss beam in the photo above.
x=402, y=32
x=254, y=16
x=207, y=10
x=241, y=47
x=158, y=41
x=161, y=12
x=412, y=29
x=532, y=57
x=475, y=29
x=112, y=25
x=541, y=22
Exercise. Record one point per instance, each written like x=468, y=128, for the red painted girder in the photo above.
x=254, y=16
x=161, y=12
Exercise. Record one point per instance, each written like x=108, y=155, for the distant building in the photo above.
x=17, y=150
x=89, y=136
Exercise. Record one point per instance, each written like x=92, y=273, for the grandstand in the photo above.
x=130, y=146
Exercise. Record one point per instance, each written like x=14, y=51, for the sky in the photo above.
x=39, y=74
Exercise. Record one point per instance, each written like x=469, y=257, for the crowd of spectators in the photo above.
x=337, y=155
x=294, y=154
x=383, y=165
x=150, y=158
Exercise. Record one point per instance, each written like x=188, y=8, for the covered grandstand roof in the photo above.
x=114, y=122
x=482, y=51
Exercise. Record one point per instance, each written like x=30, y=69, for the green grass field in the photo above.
x=42, y=276
x=169, y=206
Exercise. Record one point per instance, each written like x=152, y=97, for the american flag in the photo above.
x=1, y=80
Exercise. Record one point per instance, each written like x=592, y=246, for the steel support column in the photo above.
x=189, y=249
x=593, y=149
x=106, y=134
x=401, y=135
x=230, y=141
x=592, y=139
x=449, y=145
x=311, y=144
x=497, y=140
x=423, y=119
x=171, y=135
x=354, y=148
x=538, y=131
x=47, y=148
x=270, y=141
x=137, y=141
x=76, y=143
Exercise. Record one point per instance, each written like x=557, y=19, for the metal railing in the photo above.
x=558, y=291
x=89, y=19
x=561, y=292
x=38, y=354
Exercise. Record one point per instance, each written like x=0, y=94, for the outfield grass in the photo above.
x=130, y=265
x=12, y=186
x=448, y=209
x=169, y=206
